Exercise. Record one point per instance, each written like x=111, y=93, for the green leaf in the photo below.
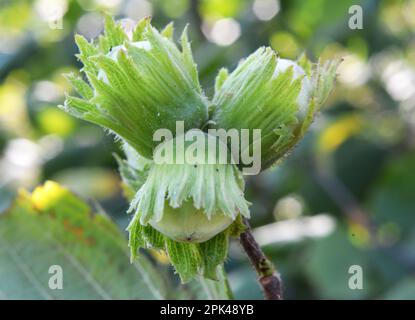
x=213, y=253
x=325, y=75
x=135, y=240
x=83, y=89
x=185, y=257
x=86, y=50
x=168, y=31
x=140, y=27
x=237, y=227
x=153, y=238
x=114, y=33
x=328, y=269
x=52, y=226
x=131, y=176
x=220, y=78
x=306, y=64
x=188, y=58
x=219, y=289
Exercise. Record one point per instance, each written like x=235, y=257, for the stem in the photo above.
x=217, y=290
x=268, y=278
x=224, y=278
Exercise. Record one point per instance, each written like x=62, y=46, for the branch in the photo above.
x=339, y=194
x=268, y=278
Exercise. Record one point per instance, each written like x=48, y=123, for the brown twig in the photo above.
x=268, y=278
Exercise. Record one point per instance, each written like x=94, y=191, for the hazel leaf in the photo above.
x=153, y=238
x=185, y=258
x=51, y=226
x=135, y=240
x=213, y=253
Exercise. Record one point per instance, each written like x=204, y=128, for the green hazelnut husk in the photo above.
x=188, y=224
x=191, y=201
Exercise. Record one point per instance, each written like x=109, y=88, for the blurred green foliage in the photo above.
x=344, y=196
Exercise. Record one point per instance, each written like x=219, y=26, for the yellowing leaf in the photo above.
x=337, y=133
x=53, y=227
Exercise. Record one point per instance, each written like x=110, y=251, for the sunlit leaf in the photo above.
x=52, y=227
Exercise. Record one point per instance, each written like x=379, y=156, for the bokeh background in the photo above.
x=345, y=196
